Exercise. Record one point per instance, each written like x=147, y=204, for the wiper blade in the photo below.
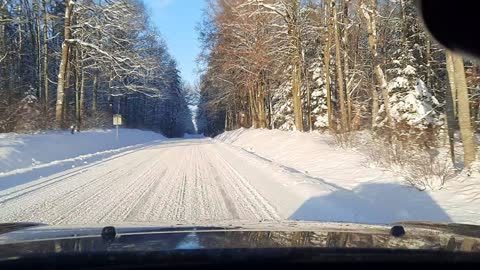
x=10, y=227
x=452, y=228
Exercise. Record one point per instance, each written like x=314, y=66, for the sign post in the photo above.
x=117, y=121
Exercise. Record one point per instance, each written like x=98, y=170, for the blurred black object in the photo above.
x=454, y=24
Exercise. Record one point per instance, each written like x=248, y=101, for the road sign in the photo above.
x=117, y=119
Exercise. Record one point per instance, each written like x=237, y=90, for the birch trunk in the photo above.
x=67, y=85
x=294, y=32
x=77, y=87
x=370, y=15
x=466, y=130
x=63, y=64
x=82, y=95
x=375, y=105
x=451, y=74
x=450, y=106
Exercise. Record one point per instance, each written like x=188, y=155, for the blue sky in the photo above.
x=176, y=20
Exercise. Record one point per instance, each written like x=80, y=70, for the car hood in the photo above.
x=23, y=238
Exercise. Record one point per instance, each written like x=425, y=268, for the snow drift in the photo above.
x=311, y=153
x=20, y=151
x=358, y=192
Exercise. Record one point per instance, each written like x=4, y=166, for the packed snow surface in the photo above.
x=20, y=151
x=244, y=175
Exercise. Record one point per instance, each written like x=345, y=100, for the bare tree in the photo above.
x=64, y=62
x=370, y=14
x=340, y=75
x=459, y=84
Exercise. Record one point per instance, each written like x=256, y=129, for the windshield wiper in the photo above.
x=10, y=227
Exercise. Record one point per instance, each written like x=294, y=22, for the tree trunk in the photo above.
x=428, y=64
x=346, y=71
x=110, y=92
x=38, y=43
x=270, y=109
x=78, y=67
x=95, y=94
x=296, y=96
x=451, y=74
x=370, y=14
x=226, y=121
x=66, y=104
x=340, y=75
x=326, y=56
x=3, y=55
x=475, y=110
x=375, y=105
x=309, y=101
x=45, y=55
x=449, y=106
x=82, y=95
x=296, y=60
x=63, y=64
x=466, y=131
x=253, y=113
x=262, y=118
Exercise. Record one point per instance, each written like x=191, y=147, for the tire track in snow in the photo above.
x=109, y=195
x=244, y=193
x=54, y=200
x=157, y=205
x=45, y=182
x=50, y=205
x=228, y=201
x=147, y=192
x=178, y=182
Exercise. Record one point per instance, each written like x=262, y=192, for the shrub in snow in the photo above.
x=421, y=168
x=427, y=172
x=99, y=120
x=390, y=154
x=27, y=116
x=344, y=139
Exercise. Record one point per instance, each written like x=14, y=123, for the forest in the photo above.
x=76, y=63
x=343, y=67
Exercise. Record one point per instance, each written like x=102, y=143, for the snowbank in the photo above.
x=311, y=153
x=21, y=151
x=358, y=193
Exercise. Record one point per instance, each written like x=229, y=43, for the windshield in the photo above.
x=233, y=112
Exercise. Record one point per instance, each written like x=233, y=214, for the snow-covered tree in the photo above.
x=319, y=97
x=411, y=102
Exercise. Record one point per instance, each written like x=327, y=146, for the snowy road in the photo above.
x=202, y=180
x=180, y=180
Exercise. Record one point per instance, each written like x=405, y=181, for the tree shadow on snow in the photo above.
x=372, y=204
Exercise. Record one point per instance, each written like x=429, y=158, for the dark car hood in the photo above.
x=37, y=239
